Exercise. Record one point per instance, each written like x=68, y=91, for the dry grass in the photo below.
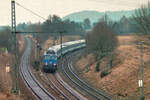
x=6, y=83
x=123, y=79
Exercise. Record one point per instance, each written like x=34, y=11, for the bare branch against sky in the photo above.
x=62, y=8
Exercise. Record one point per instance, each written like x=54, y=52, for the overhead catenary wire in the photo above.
x=29, y=10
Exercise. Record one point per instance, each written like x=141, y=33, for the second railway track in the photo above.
x=29, y=79
x=83, y=86
x=64, y=88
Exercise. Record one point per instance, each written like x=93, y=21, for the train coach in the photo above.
x=51, y=56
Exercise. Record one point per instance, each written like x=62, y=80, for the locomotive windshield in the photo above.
x=46, y=57
x=54, y=57
x=50, y=52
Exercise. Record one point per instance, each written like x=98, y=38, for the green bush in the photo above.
x=104, y=73
x=3, y=50
x=142, y=97
x=36, y=65
x=6, y=40
x=98, y=67
x=124, y=99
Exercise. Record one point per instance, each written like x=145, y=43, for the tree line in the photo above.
x=6, y=40
x=101, y=42
x=141, y=17
x=53, y=24
x=102, y=39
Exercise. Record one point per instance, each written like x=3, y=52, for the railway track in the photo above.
x=73, y=92
x=42, y=94
x=85, y=84
x=29, y=79
x=39, y=88
x=57, y=88
x=54, y=84
x=49, y=84
x=95, y=94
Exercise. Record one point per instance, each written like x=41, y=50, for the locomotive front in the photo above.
x=50, y=61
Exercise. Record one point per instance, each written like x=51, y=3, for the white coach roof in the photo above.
x=57, y=47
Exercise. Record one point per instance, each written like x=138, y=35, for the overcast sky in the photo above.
x=61, y=8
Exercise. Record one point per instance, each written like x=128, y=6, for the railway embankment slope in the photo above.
x=124, y=75
x=6, y=59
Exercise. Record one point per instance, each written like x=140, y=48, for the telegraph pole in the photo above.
x=14, y=68
x=141, y=72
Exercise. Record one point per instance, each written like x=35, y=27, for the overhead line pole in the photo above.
x=15, y=87
x=141, y=85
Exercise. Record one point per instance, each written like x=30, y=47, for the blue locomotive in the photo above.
x=51, y=56
x=50, y=61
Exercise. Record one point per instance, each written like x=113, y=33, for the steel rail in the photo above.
x=29, y=79
x=96, y=91
x=67, y=89
x=58, y=88
x=79, y=84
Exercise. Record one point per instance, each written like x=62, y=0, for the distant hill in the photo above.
x=94, y=16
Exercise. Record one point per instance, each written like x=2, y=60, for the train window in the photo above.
x=54, y=57
x=50, y=52
x=47, y=57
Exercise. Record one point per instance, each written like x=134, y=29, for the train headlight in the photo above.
x=46, y=63
x=54, y=64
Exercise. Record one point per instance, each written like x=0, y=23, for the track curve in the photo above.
x=96, y=91
x=29, y=79
x=73, y=77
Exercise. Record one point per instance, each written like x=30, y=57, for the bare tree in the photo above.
x=101, y=41
x=141, y=17
x=6, y=39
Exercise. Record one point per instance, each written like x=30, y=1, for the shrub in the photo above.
x=142, y=97
x=36, y=65
x=6, y=40
x=104, y=73
x=98, y=67
x=123, y=99
x=101, y=40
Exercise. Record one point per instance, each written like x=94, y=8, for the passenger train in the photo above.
x=51, y=56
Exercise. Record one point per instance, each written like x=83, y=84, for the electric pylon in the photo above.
x=14, y=68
